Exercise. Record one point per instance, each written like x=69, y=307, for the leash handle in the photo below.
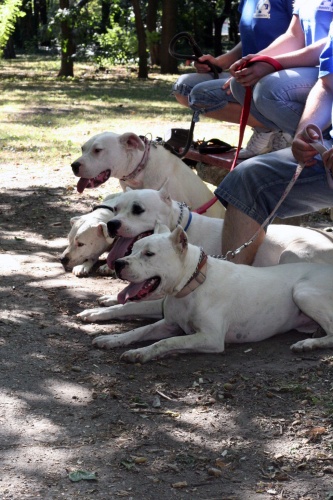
x=247, y=100
x=192, y=57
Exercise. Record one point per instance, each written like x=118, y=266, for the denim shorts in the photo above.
x=256, y=185
x=205, y=94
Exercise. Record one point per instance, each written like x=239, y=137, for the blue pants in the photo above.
x=278, y=99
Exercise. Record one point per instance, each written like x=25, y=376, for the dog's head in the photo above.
x=88, y=239
x=155, y=266
x=104, y=155
x=135, y=216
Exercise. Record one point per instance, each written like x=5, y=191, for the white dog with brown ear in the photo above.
x=139, y=163
x=200, y=312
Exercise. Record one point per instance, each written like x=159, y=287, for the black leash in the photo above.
x=197, y=52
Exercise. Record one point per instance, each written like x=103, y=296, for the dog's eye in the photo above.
x=137, y=209
x=97, y=150
x=80, y=244
x=148, y=253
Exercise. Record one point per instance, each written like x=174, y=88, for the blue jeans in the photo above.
x=256, y=185
x=204, y=93
x=278, y=99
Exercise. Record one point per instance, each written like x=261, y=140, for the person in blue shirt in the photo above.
x=278, y=99
x=253, y=189
x=261, y=22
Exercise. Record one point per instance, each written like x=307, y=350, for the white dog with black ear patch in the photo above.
x=201, y=294
x=139, y=163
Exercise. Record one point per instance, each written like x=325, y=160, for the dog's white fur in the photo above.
x=121, y=153
x=270, y=300
x=137, y=212
x=88, y=239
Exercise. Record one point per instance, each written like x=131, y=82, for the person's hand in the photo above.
x=302, y=150
x=250, y=75
x=200, y=65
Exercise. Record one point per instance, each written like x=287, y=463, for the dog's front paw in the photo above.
x=304, y=345
x=108, y=300
x=104, y=270
x=107, y=341
x=135, y=356
x=81, y=270
x=92, y=315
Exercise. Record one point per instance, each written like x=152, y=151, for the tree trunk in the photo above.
x=9, y=50
x=154, y=42
x=218, y=23
x=140, y=31
x=169, y=16
x=67, y=43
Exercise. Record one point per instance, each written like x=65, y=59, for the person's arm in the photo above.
x=317, y=111
x=289, y=50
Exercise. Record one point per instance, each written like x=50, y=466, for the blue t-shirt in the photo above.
x=315, y=17
x=262, y=22
x=326, y=57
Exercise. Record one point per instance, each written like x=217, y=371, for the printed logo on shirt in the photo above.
x=326, y=5
x=263, y=9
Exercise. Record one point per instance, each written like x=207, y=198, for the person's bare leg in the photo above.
x=238, y=229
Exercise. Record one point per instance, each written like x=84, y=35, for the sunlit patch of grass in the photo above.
x=44, y=120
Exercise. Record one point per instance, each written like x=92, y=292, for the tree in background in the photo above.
x=10, y=11
x=113, y=32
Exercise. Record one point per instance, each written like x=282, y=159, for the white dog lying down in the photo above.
x=201, y=294
x=89, y=239
x=137, y=211
x=140, y=164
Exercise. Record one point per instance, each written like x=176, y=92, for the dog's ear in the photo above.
x=102, y=230
x=74, y=219
x=128, y=189
x=164, y=193
x=179, y=239
x=131, y=141
x=160, y=228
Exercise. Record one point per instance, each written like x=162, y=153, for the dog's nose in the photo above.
x=113, y=226
x=76, y=167
x=64, y=260
x=118, y=266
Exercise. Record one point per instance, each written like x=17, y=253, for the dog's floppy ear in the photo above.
x=164, y=193
x=179, y=239
x=74, y=219
x=131, y=141
x=102, y=230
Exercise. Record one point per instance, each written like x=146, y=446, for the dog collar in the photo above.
x=182, y=205
x=142, y=163
x=197, y=278
x=101, y=206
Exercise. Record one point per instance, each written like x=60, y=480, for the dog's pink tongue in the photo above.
x=118, y=250
x=82, y=184
x=130, y=291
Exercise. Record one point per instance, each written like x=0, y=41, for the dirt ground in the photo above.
x=253, y=423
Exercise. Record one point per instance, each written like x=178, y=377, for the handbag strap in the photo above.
x=248, y=97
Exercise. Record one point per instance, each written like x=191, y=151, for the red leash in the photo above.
x=243, y=119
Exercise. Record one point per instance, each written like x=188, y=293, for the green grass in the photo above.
x=40, y=113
